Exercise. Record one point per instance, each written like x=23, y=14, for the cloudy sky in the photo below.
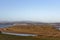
x=31, y=10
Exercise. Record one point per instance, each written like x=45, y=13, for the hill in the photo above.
x=45, y=30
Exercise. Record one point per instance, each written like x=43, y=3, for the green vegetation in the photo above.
x=13, y=37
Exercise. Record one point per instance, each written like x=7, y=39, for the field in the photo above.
x=13, y=37
x=43, y=32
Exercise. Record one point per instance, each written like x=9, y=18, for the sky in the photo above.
x=30, y=10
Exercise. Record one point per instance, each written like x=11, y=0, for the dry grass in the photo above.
x=41, y=30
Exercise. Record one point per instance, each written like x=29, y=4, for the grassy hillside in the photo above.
x=41, y=30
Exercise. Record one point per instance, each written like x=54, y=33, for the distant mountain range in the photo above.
x=19, y=22
x=25, y=22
